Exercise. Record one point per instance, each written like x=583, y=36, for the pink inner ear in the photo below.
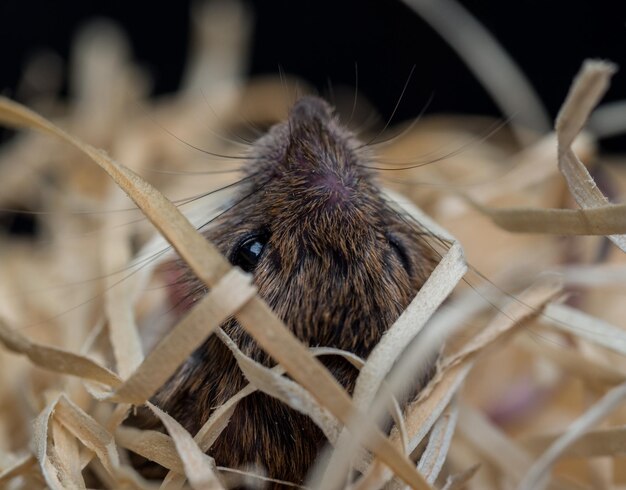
x=178, y=287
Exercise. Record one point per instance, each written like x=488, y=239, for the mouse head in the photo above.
x=333, y=259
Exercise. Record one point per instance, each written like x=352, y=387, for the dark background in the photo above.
x=321, y=40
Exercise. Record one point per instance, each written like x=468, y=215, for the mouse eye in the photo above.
x=400, y=252
x=248, y=252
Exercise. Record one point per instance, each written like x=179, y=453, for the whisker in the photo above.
x=411, y=220
x=408, y=129
x=499, y=174
x=199, y=172
x=237, y=202
x=356, y=92
x=68, y=285
x=331, y=91
x=395, y=109
x=243, y=141
x=201, y=287
x=283, y=82
x=194, y=147
x=187, y=200
x=96, y=296
x=144, y=262
x=422, y=163
x=367, y=124
x=178, y=202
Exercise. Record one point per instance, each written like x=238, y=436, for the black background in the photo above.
x=321, y=40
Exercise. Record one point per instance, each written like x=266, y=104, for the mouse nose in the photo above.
x=308, y=108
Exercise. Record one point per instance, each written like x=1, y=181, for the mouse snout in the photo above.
x=309, y=108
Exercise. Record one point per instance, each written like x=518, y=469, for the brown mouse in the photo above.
x=331, y=257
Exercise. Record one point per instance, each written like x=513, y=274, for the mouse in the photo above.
x=330, y=255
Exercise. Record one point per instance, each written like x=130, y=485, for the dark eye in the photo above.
x=249, y=250
x=400, y=252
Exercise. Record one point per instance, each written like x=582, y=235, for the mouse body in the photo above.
x=335, y=261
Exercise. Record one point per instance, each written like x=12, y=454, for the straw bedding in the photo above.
x=525, y=305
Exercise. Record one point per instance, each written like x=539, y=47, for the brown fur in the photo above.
x=338, y=268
